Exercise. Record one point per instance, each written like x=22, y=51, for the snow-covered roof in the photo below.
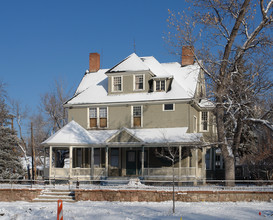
x=205, y=103
x=73, y=133
x=130, y=63
x=166, y=135
x=93, y=88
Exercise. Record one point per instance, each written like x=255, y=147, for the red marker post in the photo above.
x=60, y=210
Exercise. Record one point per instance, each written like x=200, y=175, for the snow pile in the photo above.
x=135, y=183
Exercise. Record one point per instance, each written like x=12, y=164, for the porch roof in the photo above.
x=74, y=134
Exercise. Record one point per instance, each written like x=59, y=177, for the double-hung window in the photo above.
x=103, y=117
x=204, y=121
x=160, y=85
x=117, y=83
x=137, y=115
x=93, y=117
x=139, y=82
x=98, y=117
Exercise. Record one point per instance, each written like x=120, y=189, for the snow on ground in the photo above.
x=137, y=210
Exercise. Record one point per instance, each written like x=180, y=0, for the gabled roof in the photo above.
x=93, y=88
x=130, y=63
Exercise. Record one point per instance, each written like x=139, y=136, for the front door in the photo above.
x=131, y=163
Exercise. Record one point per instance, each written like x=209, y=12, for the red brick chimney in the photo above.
x=187, y=55
x=94, y=62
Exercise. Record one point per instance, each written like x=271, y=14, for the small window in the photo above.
x=204, y=121
x=117, y=84
x=139, y=82
x=168, y=107
x=160, y=85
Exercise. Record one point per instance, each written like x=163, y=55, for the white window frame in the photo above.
x=113, y=86
x=98, y=116
x=132, y=115
x=201, y=122
x=143, y=76
x=194, y=124
x=156, y=80
x=164, y=110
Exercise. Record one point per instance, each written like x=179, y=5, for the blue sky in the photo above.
x=42, y=40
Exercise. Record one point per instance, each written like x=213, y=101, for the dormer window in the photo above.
x=117, y=84
x=160, y=85
x=139, y=82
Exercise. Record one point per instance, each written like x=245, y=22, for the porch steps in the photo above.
x=54, y=195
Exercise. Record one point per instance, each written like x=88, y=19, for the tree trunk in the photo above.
x=226, y=150
x=229, y=170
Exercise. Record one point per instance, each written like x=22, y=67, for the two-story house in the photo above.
x=120, y=117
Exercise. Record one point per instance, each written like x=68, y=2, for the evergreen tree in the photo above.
x=10, y=164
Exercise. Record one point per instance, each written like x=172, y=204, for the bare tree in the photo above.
x=234, y=41
x=172, y=154
x=20, y=114
x=52, y=105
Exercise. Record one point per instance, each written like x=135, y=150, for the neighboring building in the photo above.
x=120, y=117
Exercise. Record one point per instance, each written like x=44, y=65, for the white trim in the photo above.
x=201, y=127
x=121, y=81
x=134, y=82
x=163, y=107
x=160, y=79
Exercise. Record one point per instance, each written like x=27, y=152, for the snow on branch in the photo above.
x=261, y=121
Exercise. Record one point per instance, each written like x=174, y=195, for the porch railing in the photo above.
x=168, y=171
x=100, y=172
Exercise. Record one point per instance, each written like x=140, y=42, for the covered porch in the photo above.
x=122, y=153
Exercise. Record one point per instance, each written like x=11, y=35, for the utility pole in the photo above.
x=33, y=154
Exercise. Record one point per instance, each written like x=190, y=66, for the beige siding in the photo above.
x=155, y=117
x=119, y=116
x=79, y=115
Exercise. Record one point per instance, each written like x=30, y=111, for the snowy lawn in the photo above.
x=137, y=210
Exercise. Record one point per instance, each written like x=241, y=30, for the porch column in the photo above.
x=179, y=169
x=92, y=163
x=44, y=161
x=204, y=150
x=70, y=161
x=106, y=161
x=196, y=165
x=142, y=161
x=50, y=162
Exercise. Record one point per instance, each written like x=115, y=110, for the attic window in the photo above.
x=160, y=85
x=117, y=84
x=139, y=82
